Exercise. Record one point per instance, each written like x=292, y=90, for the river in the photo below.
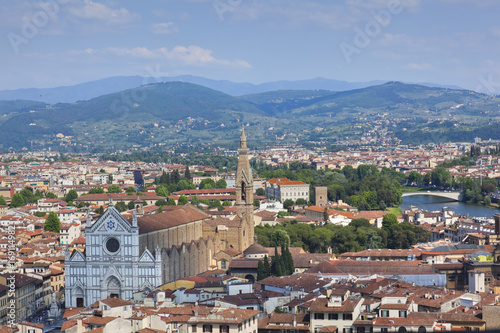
x=432, y=203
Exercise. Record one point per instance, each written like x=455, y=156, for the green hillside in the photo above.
x=178, y=114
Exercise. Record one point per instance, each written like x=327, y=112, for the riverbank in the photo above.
x=427, y=201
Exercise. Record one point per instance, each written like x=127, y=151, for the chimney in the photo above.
x=196, y=308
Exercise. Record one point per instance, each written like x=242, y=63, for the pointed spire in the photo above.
x=243, y=138
x=134, y=219
x=110, y=201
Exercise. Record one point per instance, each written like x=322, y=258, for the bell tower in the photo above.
x=244, y=194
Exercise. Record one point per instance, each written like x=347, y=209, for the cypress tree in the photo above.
x=289, y=261
x=187, y=173
x=163, y=178
x=260, y=271
x=267, y=266
x=275, y=263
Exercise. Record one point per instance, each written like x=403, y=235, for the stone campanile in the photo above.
x=244, y=194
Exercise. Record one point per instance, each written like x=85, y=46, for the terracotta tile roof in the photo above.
x=175, y=216
x=285, y=181
x=99, y=321
x=115, y=302
x=321, y=305
x=68, y=324
x=70, y=312
x=37, y=325
x=296, y=281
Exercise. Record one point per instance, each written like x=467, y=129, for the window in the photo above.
x=223, y=264
x=402, y=314
x=384, y=330
x=207, y=328
x=333, y=316
x=193, y=328
x=224, y=329
x=347, y=316
x=319, y=316
x=384, y=313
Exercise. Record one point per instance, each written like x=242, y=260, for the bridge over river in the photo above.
x=454, y=196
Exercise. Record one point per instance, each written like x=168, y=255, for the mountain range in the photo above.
x=89, y=90
x=173, y=115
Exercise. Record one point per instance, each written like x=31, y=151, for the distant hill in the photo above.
x=181, y=114
x=88, y=90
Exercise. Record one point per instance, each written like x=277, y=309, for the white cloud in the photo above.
x=186, y=55
x=419, y=66
x=164, y=28
x=89, y=10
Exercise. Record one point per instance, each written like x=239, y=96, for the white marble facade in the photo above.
x=111, y=265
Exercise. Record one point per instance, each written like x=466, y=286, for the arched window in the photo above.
x=243, y=190
x=422, y=329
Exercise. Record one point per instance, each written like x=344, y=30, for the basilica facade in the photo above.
x=140, y=252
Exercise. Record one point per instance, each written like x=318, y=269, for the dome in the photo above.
x=255, y=249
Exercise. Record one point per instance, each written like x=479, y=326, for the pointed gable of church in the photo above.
x=111, y=220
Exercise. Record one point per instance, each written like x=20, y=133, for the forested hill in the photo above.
x=178, y=114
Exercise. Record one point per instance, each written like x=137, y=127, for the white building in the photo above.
x=282, y=189
x=111, y=265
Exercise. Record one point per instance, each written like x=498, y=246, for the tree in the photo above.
x=51, y=195
x=226, y=203
x=287, y=259
x=182, y=200
x=114, y=189
x=99, y=210
x=17, y=201
x=194, y=200
x=165, y=178
x=207, y=183
x=185, y=184
x=326, y=216
x=276, y=267
x=52, y=223
x=130, y=190
x=175, y=176
x=280, y=238
x=441, y=177
x=131, y=205
x=415, y=177
x=71, y=196
x=27, y=194
x=171, y=202
x=2, y=201
x=389, y=221
x=162, y=191
x=256, y=203
x=260, y=271
x=161, y=202
x=260, y=191
x=110, y=178
x=488, y=187
x=121, y=206
x=301, y=201
x=221, y=183
x=288, y=203
x=215, y=204
x=96, y=190
x=187, y=173
x=487, y=200
x=267, y=266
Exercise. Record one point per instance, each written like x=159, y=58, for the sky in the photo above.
x=52, y=43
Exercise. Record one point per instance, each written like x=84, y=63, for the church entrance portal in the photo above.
x=114, y=287
x=79, y=302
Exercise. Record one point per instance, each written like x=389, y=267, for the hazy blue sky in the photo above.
x=63, y=42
